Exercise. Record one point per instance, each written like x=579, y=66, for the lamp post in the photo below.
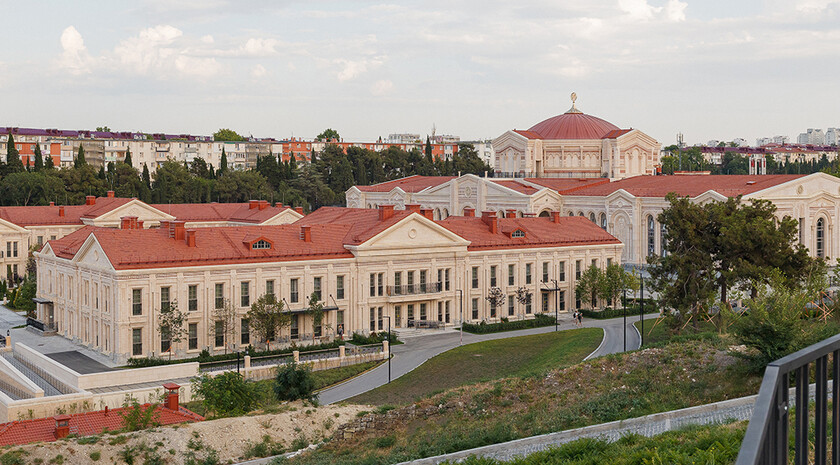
x=556, y=304
x=461, y=298
x=642, y=308
x=624, y=307
x=389, y=346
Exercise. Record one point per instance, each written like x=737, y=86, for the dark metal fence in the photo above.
x=411, y=289
x=282, y=359
x=766, y=439
x=38, y=324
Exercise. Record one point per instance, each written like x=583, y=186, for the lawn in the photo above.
x=657, y=332
x=489, y=360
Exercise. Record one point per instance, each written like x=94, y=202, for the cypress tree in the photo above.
x=102, y=172
x=80, y=158
x=13, y=163
x=223, y=163
x=128, y=157
x=39, y=158
x=48, y=164
x=147, y=179
x=428, y=149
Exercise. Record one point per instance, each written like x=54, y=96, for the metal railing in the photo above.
x=766, y=439
x=38, y=324
x=412, y=289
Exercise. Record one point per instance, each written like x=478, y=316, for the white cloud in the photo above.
x=381, y=87
x=256, y=47
x=638, y=9
x=74, y=58
x=814, y=5
x=675, y=10
x=148, y=51
x=208, y=39
x=258, y=71
x=353, y=68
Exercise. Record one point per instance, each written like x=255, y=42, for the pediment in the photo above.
x=636, y=136
x=9, y=227
x=709, y=196
x=620, y=198
x=47, y=250
x=413, y=234
x=92, y=255
x=143, y=211
x=546, y=196
x=806, y=187
x=509, y=139
x=286, y=216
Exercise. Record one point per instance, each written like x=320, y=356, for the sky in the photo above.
x=710, y=69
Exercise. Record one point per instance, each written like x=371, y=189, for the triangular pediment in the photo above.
x=92, y=255
x=9, y=227
x=509, y=139
x=286, y=216
x=47, y=250
x=143, y=211
x=709, y=196
x=413, y=234
x=621, y=195
x=806, y=187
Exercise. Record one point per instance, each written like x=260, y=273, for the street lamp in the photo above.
x=461, y=298
x=624, y=307
x=389, y=346
x=642, y=308
x=556, y=304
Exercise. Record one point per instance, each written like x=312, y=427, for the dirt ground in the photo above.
x=228, y=437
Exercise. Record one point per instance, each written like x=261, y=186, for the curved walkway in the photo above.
x=418, y=349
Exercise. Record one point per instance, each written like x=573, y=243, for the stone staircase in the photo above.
x=49, y=389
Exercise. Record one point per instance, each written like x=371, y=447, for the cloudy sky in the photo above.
x=711, y=69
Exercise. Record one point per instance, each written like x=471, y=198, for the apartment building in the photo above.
x=104, y=287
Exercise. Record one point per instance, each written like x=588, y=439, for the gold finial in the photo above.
x=573, y=109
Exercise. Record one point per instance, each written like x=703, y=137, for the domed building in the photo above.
x=575, y=144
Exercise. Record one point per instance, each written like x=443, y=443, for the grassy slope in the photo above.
x=609, y=388
x=485, y=361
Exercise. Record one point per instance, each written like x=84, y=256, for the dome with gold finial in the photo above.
x=574, y=124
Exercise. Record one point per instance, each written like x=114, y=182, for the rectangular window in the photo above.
x=8, y=248
x=192, y=297
x=244, y=332
x=244, y=294
x=423, y=281
x=293, y=327
x=511, y=275
x=372, y=318
x=475, y=309
x=446, y=279
x=440, y=311
x=316, y=288
x=165, y=341
x=422, y=311
x=528, y=273
x=562, y=276
x=193, y=336
x=397, y=282
x=372, y=285
x=40, y=240
x=409, y=278
x=545, y=272
x=380, y=284
x=544, y=302
x=475, y=277
x=493, y=276
x=164, y=299
x=511, y=301
x=609, y=262
x=136, y=302
x=440, y=275
x=577, y=269
x=577, y=300
x=562, y=301
x=446, y=312
x=528, y=304
x=15, y=248
x=294, y=295
x=410, y=314
x=137, y=341
x=220, y=295
x=595, y=262
x=269, y=287
x=379, y=318
x=397, y=316
x=339, y=287
x=220, y=334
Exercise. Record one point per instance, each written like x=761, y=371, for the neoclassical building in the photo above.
x=626, y=208
x=105, y=287
x=575, y=144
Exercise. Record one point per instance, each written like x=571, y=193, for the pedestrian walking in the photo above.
x=579, y=319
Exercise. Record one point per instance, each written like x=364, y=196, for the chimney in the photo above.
x=62, y=426
x=164, y=226
x=385, y=212
x=191, y=237
x=511, y=213
x=299, y=210
x=138, y=224
x=90, y=200
x=428, y=213
x=125, y=222
x=52, y=204
x=111, y=194
x=171, y=402
x=413, y=207
x=489, y=218
x=470, y=212
x=555, y=217
x=306, y=233
x=178, y=231
x=252, y=204
x=61, y=210
x=263, y=204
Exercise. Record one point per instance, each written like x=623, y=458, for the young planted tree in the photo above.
x=589, y=285
x=613, y=283
x=496, y=298
x=315, y=310
x=523, y=296
x=224, y=324
x=266, y=318
x=171, y=326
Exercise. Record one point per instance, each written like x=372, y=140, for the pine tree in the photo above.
x=80, y=158
x=128, y=157
x=223, y=163
x=13, y=163
x=147, y=179
x=428, y=150
x=39, y=158
x=102, y=172
x=48, y=164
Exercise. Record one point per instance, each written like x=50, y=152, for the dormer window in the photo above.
x=518, y=233
x=260, y=245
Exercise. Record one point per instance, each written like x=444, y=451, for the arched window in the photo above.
x=544, y=214
x=662, y=241
x=436, y=214
x=518, y=233
x=821, y=238
x=571, y=213
x=444, y=214
x=651, y=236
x=260, y=244
x=592, y=217
x=604, y=221
x=580, y=214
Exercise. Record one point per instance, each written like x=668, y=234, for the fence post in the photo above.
x=247, y=362
x=342, y=353
x=386, y=348
x=296, y=355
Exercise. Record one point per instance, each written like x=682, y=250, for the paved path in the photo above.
x=418, y=349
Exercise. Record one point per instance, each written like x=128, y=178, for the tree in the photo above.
x=39, y=158
x=127, y=159
x=496, y=298
x=13, y=163
x=227, y=135
x=171, y=326
x=614, y=281
x=48, y=164
x=315, y=310
x=428, y=150
x=293, y=382
x=80, y=158
x=266, y=318
x=225, y=395
x=147, y=179
x=224, y=323
x=589, y=284
x=103, y=129
x=223, y=164
x=328, y=135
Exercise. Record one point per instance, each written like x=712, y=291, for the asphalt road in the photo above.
x=418, y=349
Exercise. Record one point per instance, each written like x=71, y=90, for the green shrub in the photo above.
x=204, y=356
x=136, y=417
x=14, y=457
x=650, y=307
x=385, y=441
x=374, y=338
x=484, y=328
x=265, y=448
x=228, y=394
x=95, y=455
x=294, y=382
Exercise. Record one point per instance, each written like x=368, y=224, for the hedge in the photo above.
x=206, y=357
x=617, y=312
x=539, y=320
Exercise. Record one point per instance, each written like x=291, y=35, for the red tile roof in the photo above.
x=517, y=186
x=83, y=424
x=616, y=133
x=539, y=232
x=73, y=214
x=564, y=185
x=153, y=248
x=528, y=134
x=573, y=125
x=361, y=223
x=692, y=186
x=410, y=184
x=236, y=212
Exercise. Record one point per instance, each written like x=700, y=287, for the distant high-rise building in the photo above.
x=740, y=142
x=831, y=136
x=812, y=136
x=402, y=138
